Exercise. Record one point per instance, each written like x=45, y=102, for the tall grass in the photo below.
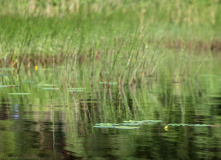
x=176, y=11
x=123, y=41
x=157, y=51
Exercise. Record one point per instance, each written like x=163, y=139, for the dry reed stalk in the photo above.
x=32, y=6
x=48, y=7
x=74, y=6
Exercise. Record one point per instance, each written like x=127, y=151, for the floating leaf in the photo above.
x=201, y=125
x=143, y=122
x=126, y=127
x=5, y=86
x=19, y=93
x=106, y=124
x=75, y=88
x=133, y=121
x=114, y=126
x=4, y=74
x=50, y=88
x=132, y=124
x=110, y=83
x=177, y=124
x=190, y=125
x=45, y=85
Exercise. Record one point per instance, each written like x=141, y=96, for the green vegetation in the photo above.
x=123, y=41
x=67, y=65
x=126, y=124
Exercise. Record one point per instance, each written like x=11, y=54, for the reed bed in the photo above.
x=82, y=62
x=121, y=41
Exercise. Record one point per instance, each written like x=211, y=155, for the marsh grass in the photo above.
x=162, y=56
x=155, y=97
x=131, y=43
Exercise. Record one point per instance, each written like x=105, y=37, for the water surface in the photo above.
x=58, y=124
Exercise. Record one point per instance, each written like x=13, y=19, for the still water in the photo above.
x=40, y=123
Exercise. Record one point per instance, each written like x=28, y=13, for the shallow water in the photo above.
x=57, y=124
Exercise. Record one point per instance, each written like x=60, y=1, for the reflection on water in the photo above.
x=58, y=124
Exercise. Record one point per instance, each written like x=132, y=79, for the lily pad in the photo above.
x=191, y=125
x=133, y=121
x=106, y=124
x=45, y=85
x=132, y=124
x=177, y=124
x=19, y=93
x=50, y=88
x=6, y=86
x=143, y=122
x=4, y=74
x=126, y=127
x=201, y=125
x=110, y=83
x=75, y=90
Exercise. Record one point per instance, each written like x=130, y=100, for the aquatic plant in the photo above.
x=126, y=124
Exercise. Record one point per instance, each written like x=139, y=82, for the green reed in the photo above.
x=124, y=41
x=156, y=51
